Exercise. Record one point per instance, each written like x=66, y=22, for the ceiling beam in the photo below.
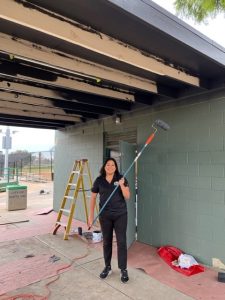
x=69, y=105
x=31, y=111
x=86, y=38
x=17, y=123
x=53, y=60
x=15, y=101
x=54, y=94
x=44, y=104
x=31, y=90
x=98, y=101
x=39, y=121
x=65, y=83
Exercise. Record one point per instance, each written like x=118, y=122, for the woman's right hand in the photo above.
x=90, y=221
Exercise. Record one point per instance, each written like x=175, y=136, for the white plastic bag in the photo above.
x=185, y=261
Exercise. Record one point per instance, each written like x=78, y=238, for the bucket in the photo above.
x=97, y=236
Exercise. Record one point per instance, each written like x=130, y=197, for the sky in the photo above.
x=32, y=140
x=43, y=139
x=214, y=29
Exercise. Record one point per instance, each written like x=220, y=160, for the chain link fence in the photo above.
x=34, y=166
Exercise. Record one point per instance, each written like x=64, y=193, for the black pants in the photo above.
x=119, y=224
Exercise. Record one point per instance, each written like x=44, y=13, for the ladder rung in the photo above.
x=62, y=224
x=65, y=210
x=69, y=197
x=72, y=184
x=75, y=172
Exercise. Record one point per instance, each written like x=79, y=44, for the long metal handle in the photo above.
x=148, y=141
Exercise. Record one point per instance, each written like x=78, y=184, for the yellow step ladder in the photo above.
x=75, y=185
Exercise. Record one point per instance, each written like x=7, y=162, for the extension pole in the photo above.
x=159, y=123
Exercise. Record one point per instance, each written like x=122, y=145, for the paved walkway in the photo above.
x=30, y=261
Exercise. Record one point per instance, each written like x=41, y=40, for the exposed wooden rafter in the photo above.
x=70, y=106
x=44, y=57
x=15, y=120
x=39, y=92
x=31, y=86
x=56, y=72
x=31, y=111
x=79, y=35
x=52, y=106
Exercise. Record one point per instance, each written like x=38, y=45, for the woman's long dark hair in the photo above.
x=102, y=170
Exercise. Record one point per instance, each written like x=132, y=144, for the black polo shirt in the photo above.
x=117, y=203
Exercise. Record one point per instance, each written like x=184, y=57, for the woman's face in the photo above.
x=110, y=167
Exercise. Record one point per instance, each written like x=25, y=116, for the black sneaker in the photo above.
x=106, y=272
x=124, y=276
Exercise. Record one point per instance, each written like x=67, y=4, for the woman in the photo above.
x=113, y=216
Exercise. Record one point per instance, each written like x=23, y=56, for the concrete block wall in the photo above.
x=181, y=179
x=181, y=174
x=71, y=144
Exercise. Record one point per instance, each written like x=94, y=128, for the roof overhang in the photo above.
x=73, y=61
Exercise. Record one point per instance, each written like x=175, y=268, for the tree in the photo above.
x=199, y=10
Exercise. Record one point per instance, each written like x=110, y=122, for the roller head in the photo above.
x=161, y=124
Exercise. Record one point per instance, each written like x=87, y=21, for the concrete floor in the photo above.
x=81, y=280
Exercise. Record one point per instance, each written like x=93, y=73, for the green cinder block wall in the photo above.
x=181, y=174
x=181, y=179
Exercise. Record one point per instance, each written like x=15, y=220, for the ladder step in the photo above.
x=74, y=184
x=69, y=197
x=75, y=172
x=65, y=210
x=62, y=224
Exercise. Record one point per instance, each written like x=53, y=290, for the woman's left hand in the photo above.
x=121, y=182
x=125, y=189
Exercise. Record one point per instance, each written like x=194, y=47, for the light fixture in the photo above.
x=118, y=119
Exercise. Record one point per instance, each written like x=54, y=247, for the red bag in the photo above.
x=170, y=253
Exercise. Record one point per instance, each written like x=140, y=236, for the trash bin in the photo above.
x=16, y=197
